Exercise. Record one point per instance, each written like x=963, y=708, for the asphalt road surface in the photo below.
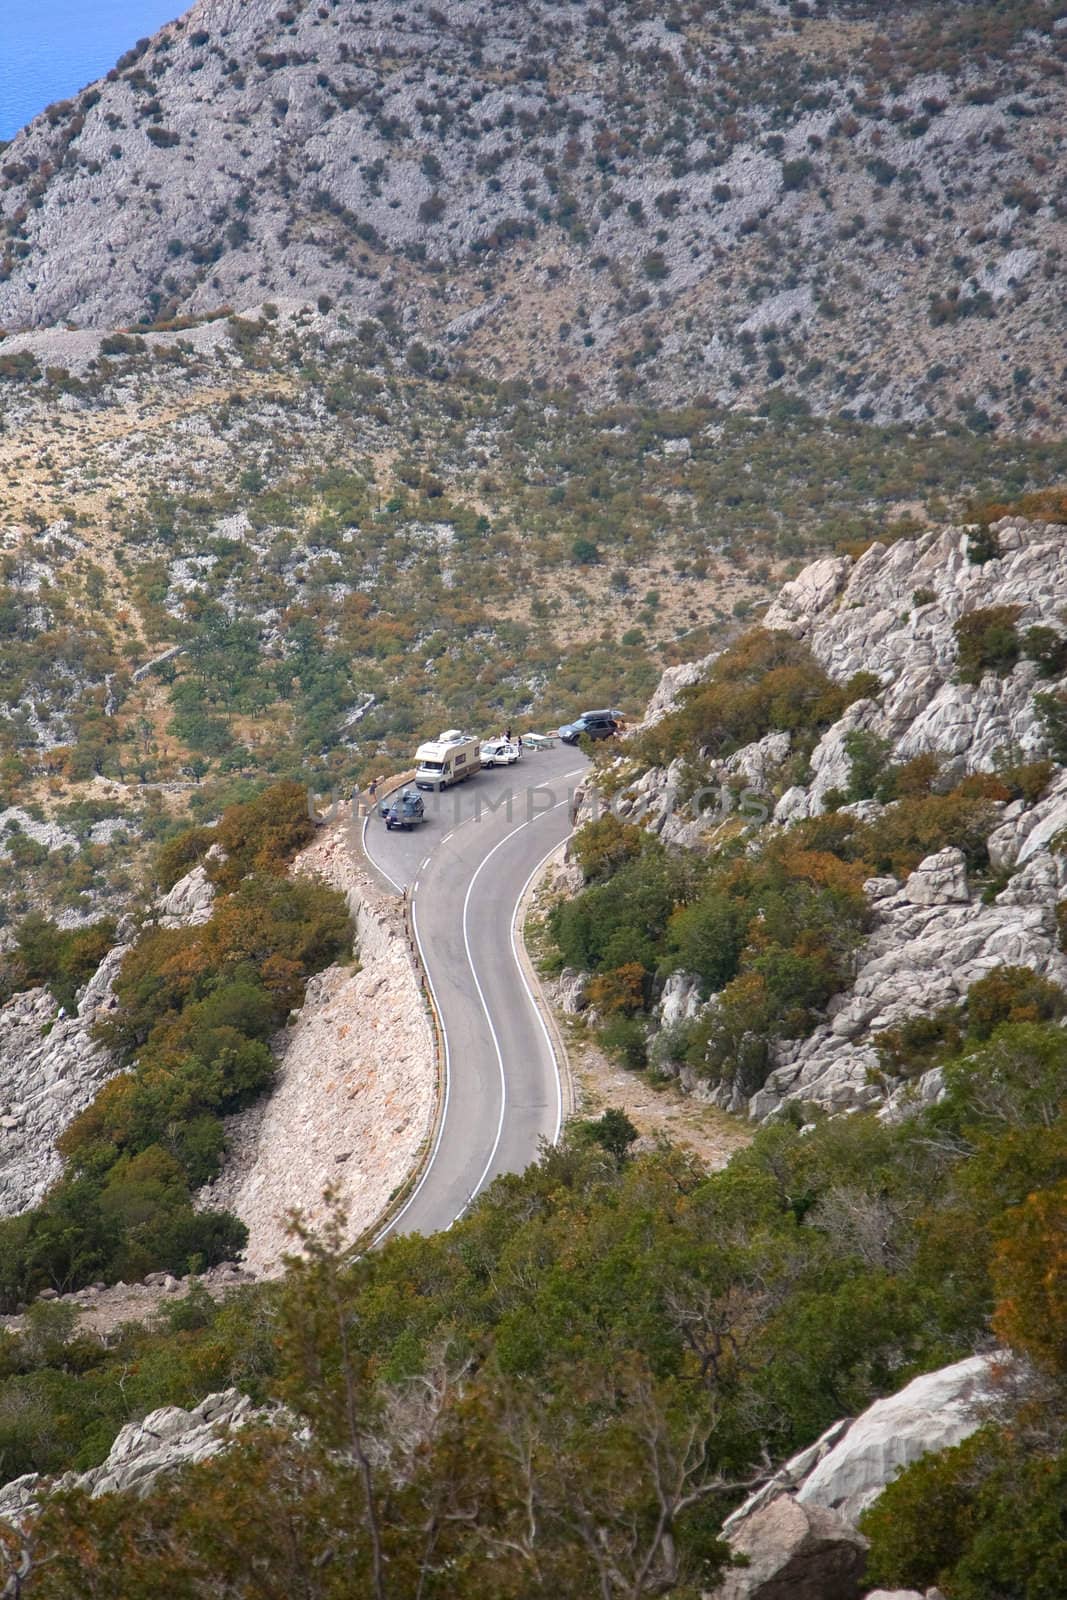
x=466, y=868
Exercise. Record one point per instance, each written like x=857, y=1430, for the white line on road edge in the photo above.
x=533, y=997
x=413, y=1196
x=397, y=886
x=481, y=996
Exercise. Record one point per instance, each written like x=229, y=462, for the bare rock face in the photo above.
x=164, y=1440
x=931, y=1413
x=939, y=880
x=892, y=613
x=795, y=1552
x=569, y=990
x=927, y=946
x=189, y=902
x=354, y=1096
x=799, y=1529
x=670, y=686
x=875, y=616
x=50, y=1070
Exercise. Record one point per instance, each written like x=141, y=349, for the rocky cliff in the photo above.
x=893, y=613
x=350, y=1108
x=815, y=195
x=50, y=1069
x=355, y=1095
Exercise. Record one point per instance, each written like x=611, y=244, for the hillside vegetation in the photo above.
x=564, y=1394
x=269, y=547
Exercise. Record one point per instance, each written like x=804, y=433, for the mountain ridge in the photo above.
x=814, y=197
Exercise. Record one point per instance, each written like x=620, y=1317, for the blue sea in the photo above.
x=49, y=49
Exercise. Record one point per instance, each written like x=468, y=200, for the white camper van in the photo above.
x=447, y=760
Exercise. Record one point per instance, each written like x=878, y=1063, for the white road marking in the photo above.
x=448, y=835
x=410, y=1201
x=399, y=887
x=395, y=1221
x=481, y=995
x=533, y=998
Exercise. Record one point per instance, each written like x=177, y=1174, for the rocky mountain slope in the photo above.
x=674, y=201
x=349, y=1110
x=899, y=613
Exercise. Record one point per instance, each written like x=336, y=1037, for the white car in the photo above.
x=500, y=753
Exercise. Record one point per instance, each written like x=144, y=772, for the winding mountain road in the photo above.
x=466, y=870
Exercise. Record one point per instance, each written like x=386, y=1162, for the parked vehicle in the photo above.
x=404, y=810
x=447, y=760
x=501, y=753
x=593, y=724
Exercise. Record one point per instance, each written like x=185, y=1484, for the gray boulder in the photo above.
x=795, y=1552
x=931, y=1413
x=164, y=1440
x=189, y=902
x=939, y=880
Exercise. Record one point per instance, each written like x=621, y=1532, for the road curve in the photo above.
x=465, y=870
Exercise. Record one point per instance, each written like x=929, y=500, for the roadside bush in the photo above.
x=623, y=919
x=620, y=991
x=626, y=1040
x=602, y=846
x=987, y=641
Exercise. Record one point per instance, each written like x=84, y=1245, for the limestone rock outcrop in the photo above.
x=50, y=1069
x=846, y=1469
x=931, y=1413
x=795, y=1552
x=875, y=615
x=164, y=1440
x=892, y=613
x=188, y=903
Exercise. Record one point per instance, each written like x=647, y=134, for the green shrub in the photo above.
x=766, y=681
x=181, y=854
x=1052, y=714
x=1048, y=648
x=987, y=642
x=1012, y=994
x=604, y=845
x=64, y=959
x=982, y=1520
x=982, y=543
x=262, y=835
x=627, y=1040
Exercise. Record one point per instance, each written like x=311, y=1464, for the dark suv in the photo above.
x=593, y=724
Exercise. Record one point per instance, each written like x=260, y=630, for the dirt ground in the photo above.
x=655, y=1109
